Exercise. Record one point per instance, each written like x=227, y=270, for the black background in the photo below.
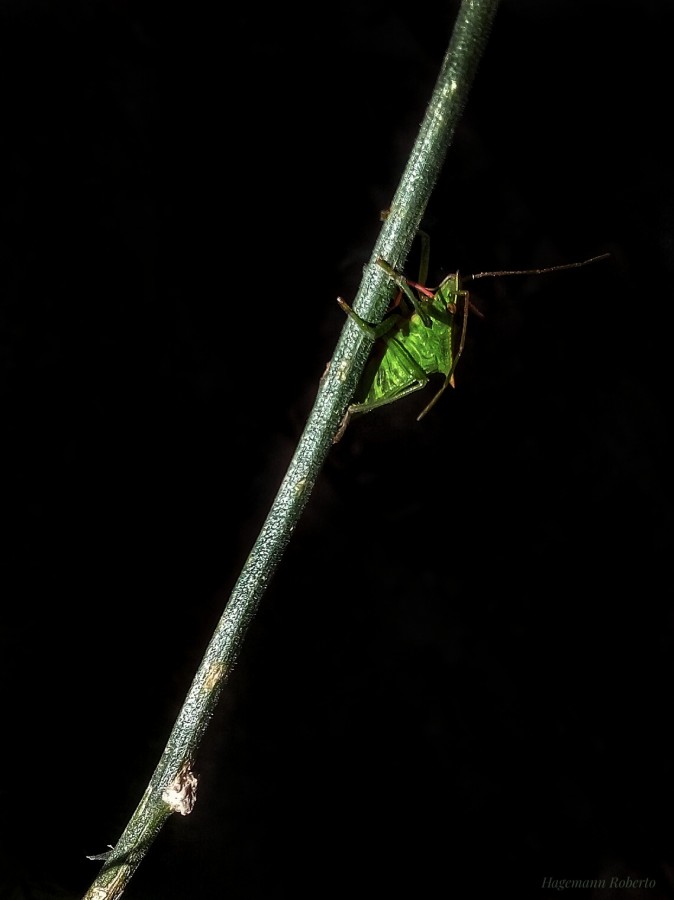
x=460, y=678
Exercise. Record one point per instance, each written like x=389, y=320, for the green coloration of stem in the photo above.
x=335, y=392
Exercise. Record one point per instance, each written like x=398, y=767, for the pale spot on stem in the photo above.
x=343, y=370
x=181, y=795
x=214, y=676
x=300, y=486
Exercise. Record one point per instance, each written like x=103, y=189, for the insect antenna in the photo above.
x=543, y=271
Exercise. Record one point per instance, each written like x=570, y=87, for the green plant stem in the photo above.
x=335, y=392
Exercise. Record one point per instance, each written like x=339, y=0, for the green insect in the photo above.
x=417, y=338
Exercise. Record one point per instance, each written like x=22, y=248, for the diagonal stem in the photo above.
x=172, y=779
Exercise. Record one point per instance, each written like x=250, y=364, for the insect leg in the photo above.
x=404, y=285
x=372, y=331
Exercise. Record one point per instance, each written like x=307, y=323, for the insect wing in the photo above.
x=388, y=373
x=430, y=346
